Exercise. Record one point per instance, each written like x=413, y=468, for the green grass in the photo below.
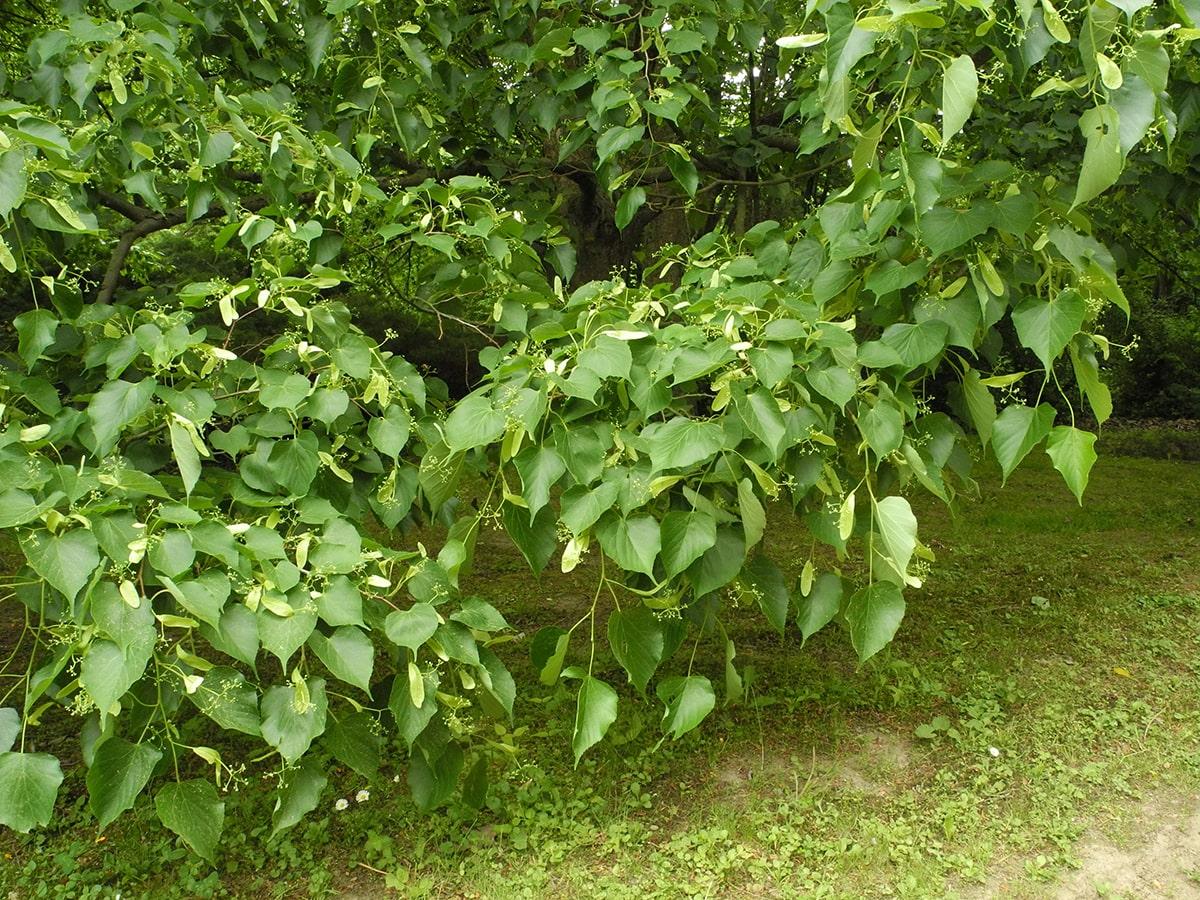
x=1046, y=681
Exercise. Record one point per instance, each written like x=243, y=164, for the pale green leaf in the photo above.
x=28, y=787
x=1103, y=158
x=1047, y=327
x=411, y=627
x=1017, y=430
x=1073, y=454
x=595, y=711
x=960, y=88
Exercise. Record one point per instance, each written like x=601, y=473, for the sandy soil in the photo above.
x=1162, y=860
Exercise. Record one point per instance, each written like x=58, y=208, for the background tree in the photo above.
x=719, y=254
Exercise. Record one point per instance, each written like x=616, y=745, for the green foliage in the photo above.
x=196, y=501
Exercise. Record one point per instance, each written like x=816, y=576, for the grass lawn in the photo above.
x=1034, y=731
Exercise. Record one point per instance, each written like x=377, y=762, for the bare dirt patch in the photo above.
x=1163, y=860
x=1146, y=853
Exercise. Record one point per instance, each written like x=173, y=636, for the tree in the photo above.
x=722, y=252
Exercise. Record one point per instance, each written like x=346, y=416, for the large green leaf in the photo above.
x=10, y=728
x=28, y=787
x=412, y=717
x=203, y=597
x=187, y=457
x=474, y=422
x=960, y=87
x=540, y=468
x=833, y=382
x=686, y=535
x=917, y=344
x=721, y=563
x=582, y=506
x=631, y=201
x=981, y=406
x=754, y=517
x=354, y=740
x=173, y=553
x=873, y=615
x=682, y=442
x=13, y=180
x=595, y=711
x=1073, y=454
x=633, y=543
x=688, y=699
x=226, y=697
x=66, y=560
x=548, y=652
x=536, y=539
x=433, y=783
x=347, y=653
x=118, y=774
x=299, y=795
x=766, y=583
x=943, y=228
x=108, y=671
x=282, y=390
x=339, y=549
x=1017, y=430
x=616, y=139
x=882, y=425
x=895, y=535
x=192, y=810
x=636, y=638
x=294, y=716
x=284, y=635
x=294, y=463
x=818, y=609
x=18, y=507
x=35, y=332
x=1103, y=159
x=389, y=432
x=1047, y=328
x=1087, y=376
x=114, y=407
x=438, y=475
x=411, y=627
x=340, y=603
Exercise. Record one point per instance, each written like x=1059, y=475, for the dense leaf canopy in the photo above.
x=721, y=253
